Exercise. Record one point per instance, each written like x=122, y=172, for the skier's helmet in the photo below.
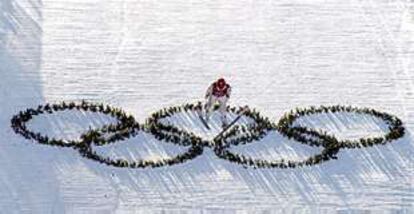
x=221, y=83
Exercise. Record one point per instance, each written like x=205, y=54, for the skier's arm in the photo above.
x=209, y=91
x=228, y=92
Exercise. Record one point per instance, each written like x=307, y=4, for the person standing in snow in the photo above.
x=219, y=91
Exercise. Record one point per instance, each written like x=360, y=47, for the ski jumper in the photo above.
x=216, y=94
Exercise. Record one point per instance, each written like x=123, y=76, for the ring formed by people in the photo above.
x=127, y=127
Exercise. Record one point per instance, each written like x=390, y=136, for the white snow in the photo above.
x=68, y=125
x=345, y=125
x=275, y=147
x=143, y=55
x=141, y=147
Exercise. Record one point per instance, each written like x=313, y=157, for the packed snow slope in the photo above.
x=146, y=55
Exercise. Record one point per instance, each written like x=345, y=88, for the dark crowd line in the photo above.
x=127, y=127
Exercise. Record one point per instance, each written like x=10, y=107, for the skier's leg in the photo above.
x=223, y=110
x=209, y=104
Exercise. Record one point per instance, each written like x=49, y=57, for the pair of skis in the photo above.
x=226, y=127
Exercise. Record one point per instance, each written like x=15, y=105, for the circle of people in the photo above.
x=127, y=127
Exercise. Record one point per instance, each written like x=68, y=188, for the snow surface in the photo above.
x=345, y=125
x=141, y=147
x=145, y=55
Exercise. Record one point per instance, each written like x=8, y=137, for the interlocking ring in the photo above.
x=88, y=152
x=19, y=121
x=126, y=127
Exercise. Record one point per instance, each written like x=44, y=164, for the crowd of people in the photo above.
x=126, y=127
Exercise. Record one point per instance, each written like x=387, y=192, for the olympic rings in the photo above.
x=88, y=152
x=396, y=130
x=126, y=127
x=19, y=121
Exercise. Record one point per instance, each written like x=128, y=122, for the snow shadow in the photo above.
x=20, y=55
x=26, y=181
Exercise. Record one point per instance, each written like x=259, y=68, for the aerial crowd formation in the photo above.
x=127, y=127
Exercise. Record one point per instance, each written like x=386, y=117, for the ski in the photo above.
x=203, y=120
x=228, y=126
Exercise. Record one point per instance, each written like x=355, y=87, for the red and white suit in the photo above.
x=215, y=94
